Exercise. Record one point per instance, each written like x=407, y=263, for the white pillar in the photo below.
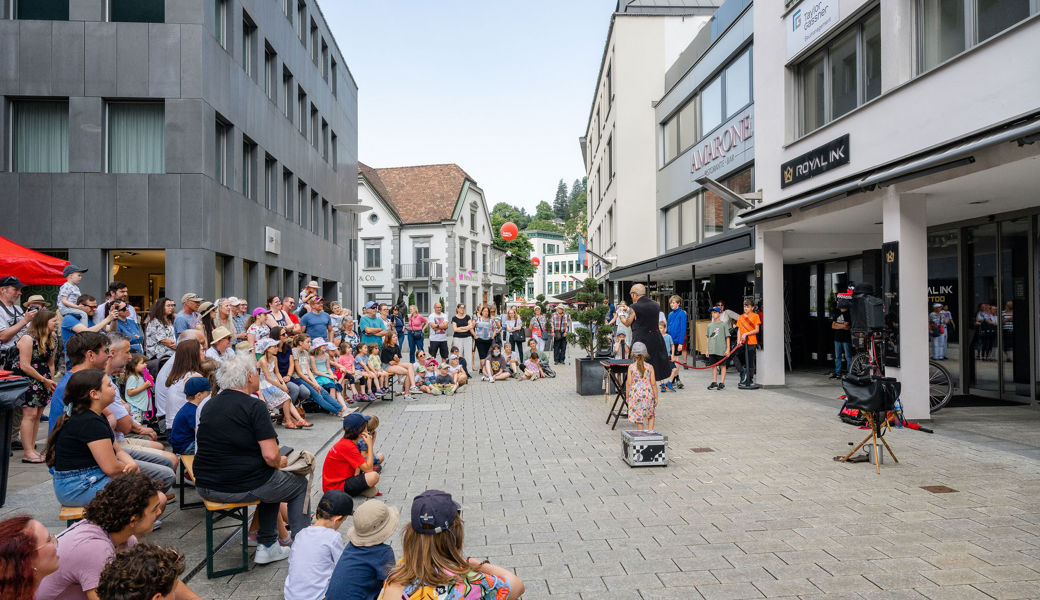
x=906, y=221
x=769, y=251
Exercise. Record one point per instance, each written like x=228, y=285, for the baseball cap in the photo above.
x=355, y=421
x=70, y=269
x=337, y=503
x=11, y=281
x=191, y=297
x=639, y=348
x=195, y=385
x=235, y=301
x=260, y=310
x=370, y=304
x=716, y=309
x=433, y=511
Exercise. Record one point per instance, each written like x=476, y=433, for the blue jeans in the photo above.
x=323, y=399
x=415, y=343
x=839, y=348
x=939, y=346
x=79, y=486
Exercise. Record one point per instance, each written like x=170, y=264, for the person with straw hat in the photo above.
x=367, y=559
x=220, y=348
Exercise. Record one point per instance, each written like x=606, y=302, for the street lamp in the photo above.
x=354, y=209
x=429, y=280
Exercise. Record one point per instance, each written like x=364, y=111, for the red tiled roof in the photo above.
x=421, y=194
x=377, y=184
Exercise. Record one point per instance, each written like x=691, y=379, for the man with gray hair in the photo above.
x=160, y=380
x=643, y=319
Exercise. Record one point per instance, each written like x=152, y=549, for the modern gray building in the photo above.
x=179, y=145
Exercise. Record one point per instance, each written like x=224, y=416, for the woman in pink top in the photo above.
x=414, y=325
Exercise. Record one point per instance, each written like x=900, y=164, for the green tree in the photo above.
x=518, y=262
x=560, y=205
x=540, y=225
x=509, y=212
x=578, y=198
x=544, y=211
x=592, y=315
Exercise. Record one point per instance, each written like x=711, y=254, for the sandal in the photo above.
x=304, y=424
x=289, y=425
x=34, y=461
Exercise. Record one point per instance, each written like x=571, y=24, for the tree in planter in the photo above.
x=592, y=315
x=540, y=302
x=411, y=299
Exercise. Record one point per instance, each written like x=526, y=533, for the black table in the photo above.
x=617, y=370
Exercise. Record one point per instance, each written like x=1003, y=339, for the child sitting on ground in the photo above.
x=345, y=468
x=512, y=364
x=444, y=384
x=362, y=445
x=667, y=385
x=182, y=434
x=367, y=559
x=316, y=549
x=428, y=374
x=532, y=370
x=457, y=371
x=462, y=359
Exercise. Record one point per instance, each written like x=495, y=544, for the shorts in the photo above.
x=355, y=484
x=431, y=380
x=714, y=358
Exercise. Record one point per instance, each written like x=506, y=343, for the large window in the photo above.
x=373, y=254
x=271, y=182
x=271, y=73
x=325, y=217
x=421, y=251
x=948, y=27
x=42, y=10
x=248, y=46
x=287, y=193
x=711, y=106
x=41, y=137
x=248, y=168
x=136, y=11
x=335, y=82
x=738, y=84
x=287, y=93
x=712, y=217
x=136, y=137
x=220, y=22
x=301, y=204
x=842, y=75
x=334, y=141
x=301, y=104
x=222, y=131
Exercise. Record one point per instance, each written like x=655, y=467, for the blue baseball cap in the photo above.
x=370, y=304
x=433, y=511
x=716, y=309
x=355, y=421
x=195, y=385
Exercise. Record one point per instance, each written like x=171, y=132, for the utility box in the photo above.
x=644, y=448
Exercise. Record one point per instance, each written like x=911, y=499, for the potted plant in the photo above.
x=593, y=334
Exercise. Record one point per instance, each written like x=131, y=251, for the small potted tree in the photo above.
x=591, y=336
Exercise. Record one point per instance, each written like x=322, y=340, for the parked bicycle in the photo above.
x=872, y=362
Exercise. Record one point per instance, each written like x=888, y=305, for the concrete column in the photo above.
x=191, y=270
x=906, y=221
x=769, y=250
x=95, y=280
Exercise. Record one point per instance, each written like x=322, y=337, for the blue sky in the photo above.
x=501, y=88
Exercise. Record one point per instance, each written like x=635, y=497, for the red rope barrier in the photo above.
x=724, y=359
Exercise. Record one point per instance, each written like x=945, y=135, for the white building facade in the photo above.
x=558, y=270
x=619, y=145
x=437, y=236
x=899, y=147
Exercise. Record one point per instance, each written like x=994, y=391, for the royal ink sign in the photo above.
x=808, y=22
x=815, y=162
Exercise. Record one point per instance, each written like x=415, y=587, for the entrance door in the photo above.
x=999, y=352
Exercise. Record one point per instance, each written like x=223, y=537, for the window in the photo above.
x=473, y=220
x=738, y=84
x=136, y=11
x=671, y=227
x=324, y=60
x=248, y=168
x=271, y=182
x=42, y=10
x=688, y=221
x=270, y=72
x=373, y=260
x=287, y=8
x=422, y=301
x=945, y=29
x=711, y=106
x=220, y=151
x=220, y=22
x=41, y=136
x=712, y=221
x=248, y=46
x=610, y=85
x=287, y=88
x=462, y=254
x=842, y=75
x=335, y=151
x=315, y=139
x=610, y=158
x=315, y=48
x=473, y=256
x=136, y=141
x=301, y=103
x=994, y=16
x=335, y=226
x=325, y=217
x=301, y=204
x=335, y=80
x=287, y=193
x=421, y=252
x=315, y=215
x=301, y=22
x=325, y=140
x=741, y=184
x=671, y=138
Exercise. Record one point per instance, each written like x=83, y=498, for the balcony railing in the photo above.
x=420, y=271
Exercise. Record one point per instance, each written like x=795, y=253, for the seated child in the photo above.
x=462, y=359
x=368, y=558
x=382, y=377
x=317, y=549
x=347, y=368
x=457, y=371
x=138, y=389
x=362, y=445
x=444, y=384
x=182, y=434
x=345, y=467
x=512, y=363
x=532, y=370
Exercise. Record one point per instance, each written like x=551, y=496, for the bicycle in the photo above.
x=871, y=362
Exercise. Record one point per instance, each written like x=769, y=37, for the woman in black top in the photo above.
x=643, y=319
x=286, y=366
x=462, y=333
x=390, y=356
x=81, y=449
x=396, y=321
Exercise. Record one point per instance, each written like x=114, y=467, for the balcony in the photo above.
x=419, y=271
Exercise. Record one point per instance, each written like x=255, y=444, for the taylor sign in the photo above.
x=808, y=22
x=734, y=137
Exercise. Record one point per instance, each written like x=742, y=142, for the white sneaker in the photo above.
x=408, y=398
x=270, y=554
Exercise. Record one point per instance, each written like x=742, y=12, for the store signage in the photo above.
x=808, y=22
x=815, y=162
x=366, y=278
x=715, y=153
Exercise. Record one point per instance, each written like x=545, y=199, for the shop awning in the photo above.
x=30, y=266
x=732, y=242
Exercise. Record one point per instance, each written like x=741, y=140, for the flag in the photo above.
x=582, y=257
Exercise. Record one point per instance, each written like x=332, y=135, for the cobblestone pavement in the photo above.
x=766, y=513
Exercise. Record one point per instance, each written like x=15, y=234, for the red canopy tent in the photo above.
x=30, y=266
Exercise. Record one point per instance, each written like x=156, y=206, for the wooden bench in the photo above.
x=71, y=514
x=237, y=512
x=187, y=462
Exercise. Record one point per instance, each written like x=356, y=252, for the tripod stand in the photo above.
x=879, y=421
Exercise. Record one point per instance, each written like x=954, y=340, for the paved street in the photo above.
x=765, y=513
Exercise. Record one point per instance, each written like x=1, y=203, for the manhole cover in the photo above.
x=427, y=407
x=937, y=489
x=701, y=450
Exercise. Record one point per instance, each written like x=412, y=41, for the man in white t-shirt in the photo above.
x=439, y=323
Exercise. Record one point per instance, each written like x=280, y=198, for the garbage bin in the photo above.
x=12, y=390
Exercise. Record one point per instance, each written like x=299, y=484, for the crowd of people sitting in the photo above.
x=125, y=399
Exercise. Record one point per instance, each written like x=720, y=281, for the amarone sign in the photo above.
x=720, y=149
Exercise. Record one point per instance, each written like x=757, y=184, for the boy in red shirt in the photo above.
x=346, y=468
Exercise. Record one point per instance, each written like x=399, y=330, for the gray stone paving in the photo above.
x=768, y=514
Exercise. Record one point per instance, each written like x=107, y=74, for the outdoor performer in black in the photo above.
x=643, y=319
